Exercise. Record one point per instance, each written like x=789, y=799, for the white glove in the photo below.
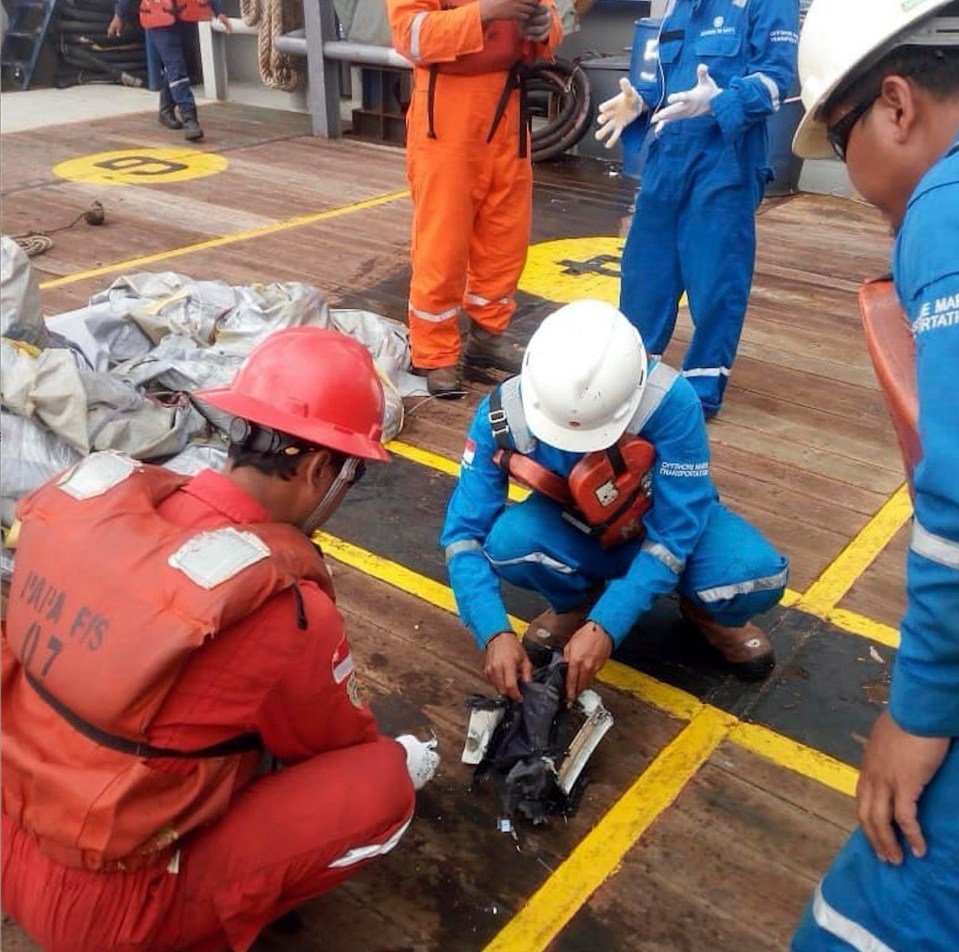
x=691, y=103
x=421, y=759
x=538, y=25
x=617, y=113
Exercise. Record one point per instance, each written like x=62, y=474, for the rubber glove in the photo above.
x=617, y=113
x=539, y=24
x=421, y=759
x=691, y=103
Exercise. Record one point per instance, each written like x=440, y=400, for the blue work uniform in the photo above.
x=694, y=229
x=170, y=45
x=692, y=543
x=863, y=903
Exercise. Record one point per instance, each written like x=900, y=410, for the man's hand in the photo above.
x=691, y=103
x=507, y=9
x=224, y=21
x=116, y=26
x=617, y=113
x=539, y=24
x=586, y=652
x=505, y=659
x=895, y=770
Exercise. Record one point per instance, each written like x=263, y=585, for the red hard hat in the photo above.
x=315, y=384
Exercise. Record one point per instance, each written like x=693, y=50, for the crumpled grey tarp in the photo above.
x=117, y=374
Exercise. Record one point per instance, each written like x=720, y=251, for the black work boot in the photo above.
x=191, y=127
x=484, y=349
x=746, y=649
x=445, y=382
x=167, y=117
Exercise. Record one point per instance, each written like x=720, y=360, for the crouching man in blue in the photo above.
x=586, y=411
x=881, y=88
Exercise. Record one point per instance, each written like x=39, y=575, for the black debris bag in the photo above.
x=529, y=744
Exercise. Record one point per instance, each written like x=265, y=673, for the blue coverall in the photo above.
x=170, y=43
x=694, y=228
x=915, y=907
x=692, y=544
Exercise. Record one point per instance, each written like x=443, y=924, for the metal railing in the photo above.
x=318, y=43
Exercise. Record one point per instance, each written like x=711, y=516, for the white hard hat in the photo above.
x=583, y=376
x=843, y=37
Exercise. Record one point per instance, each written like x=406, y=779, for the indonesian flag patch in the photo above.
x=469, y=452
x=342, y=662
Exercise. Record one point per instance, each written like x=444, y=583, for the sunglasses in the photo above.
x=839, y=133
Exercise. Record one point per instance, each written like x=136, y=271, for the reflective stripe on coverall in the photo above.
x=863, y=903
x=692, y=544
x=472, y=199
x=694, y=228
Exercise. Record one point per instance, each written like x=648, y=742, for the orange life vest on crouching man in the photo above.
x=159, y=13
x=607, y=492
x=107, y=602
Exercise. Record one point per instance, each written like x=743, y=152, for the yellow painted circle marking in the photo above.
x=141, y=166
x=571, y=269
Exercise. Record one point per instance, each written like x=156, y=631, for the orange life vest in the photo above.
x=160, y=13
x=503, y=47
x=107, y=602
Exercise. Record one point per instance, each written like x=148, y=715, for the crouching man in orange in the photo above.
x=164, y=632
x=468, y=164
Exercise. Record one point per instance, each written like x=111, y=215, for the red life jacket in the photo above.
x=503, y=47
x=160, y=13
x=107, y=602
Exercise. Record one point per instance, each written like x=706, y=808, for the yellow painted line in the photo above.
x=443, y=464
x=856, y=624
x=600, y=853
x=804, y=760
x=387, y=571
x=790, y=598
x=840, y=576
x=679, y=704
x=132, y=264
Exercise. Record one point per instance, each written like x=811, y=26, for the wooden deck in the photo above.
x=713, y=807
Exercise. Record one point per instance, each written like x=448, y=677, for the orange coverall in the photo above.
x=472, y=199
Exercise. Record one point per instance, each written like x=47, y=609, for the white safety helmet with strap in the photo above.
x=843, y=38
x=583, y=376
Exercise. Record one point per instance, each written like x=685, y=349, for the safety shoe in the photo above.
x=746, y=649
x=445, y=382
x=551, y=629
x=167, y=117
x=191, y=127
x=484, y=349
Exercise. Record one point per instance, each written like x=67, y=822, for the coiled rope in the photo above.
x=275, y=17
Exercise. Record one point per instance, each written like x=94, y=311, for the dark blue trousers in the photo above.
x=170, y=45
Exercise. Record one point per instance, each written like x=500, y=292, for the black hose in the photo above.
x=565, y=88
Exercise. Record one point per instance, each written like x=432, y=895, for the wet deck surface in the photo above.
x=714, y=807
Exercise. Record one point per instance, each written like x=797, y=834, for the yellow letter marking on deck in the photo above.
x=571, y=269
x=141, y=166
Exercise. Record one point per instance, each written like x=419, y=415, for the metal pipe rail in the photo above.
x=323, y=73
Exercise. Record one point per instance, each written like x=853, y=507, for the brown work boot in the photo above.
x=551, y=629
x=484, y=349
x=445, y=382
x=746, y=649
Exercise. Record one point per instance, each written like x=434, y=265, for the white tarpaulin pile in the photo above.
x=118, y=374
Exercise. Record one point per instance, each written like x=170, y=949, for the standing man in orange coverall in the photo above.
x=467, y=148
x=162, y=632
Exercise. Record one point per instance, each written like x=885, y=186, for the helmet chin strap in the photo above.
x=324, y=508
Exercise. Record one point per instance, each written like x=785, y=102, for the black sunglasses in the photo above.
x=839, y=133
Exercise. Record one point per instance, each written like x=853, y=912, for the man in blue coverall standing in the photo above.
x=881, y=87
x=585, y=386
x=724, y=67
x=167, y=22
